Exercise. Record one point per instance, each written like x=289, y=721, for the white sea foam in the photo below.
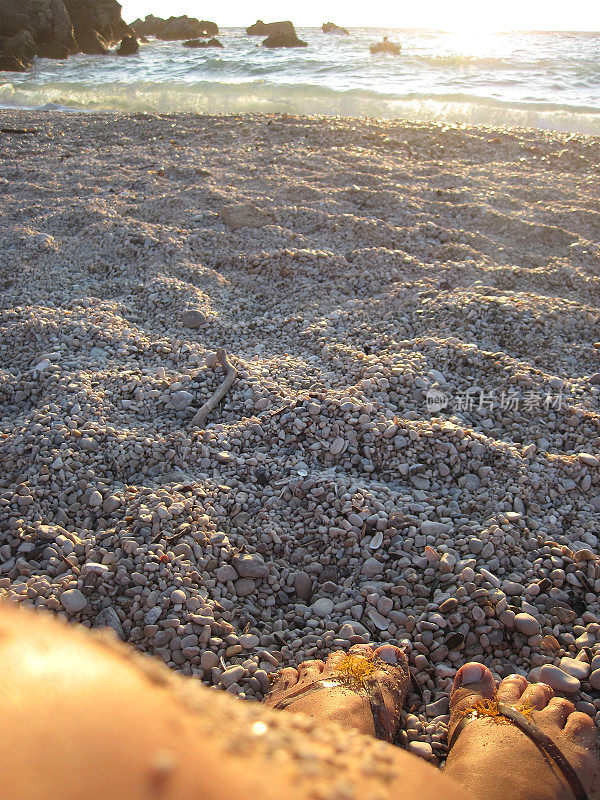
x=549, y=81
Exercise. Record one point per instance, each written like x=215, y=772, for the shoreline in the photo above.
x=455, y=124
x=541, y=82
x=345, y=486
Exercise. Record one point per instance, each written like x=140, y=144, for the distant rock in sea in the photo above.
x=57, y=29
x=386, y=47
x=331, y=27
x=201, y=43
x=261, y=28
x=284, y=40
x=174, y=28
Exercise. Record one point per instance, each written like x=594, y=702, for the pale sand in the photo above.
x=396, y=258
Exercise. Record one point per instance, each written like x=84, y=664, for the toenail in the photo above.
x=388, y=654
x=472, y=673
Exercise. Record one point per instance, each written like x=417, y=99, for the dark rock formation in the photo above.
x=331, y=27
x=261, y=28
x=284, y=40
x=129, y=46
x=52, y=50
x=16, y=52
x=47, y=21
x=97, y=24
x=201, y=43
x=57, y=28
x=174, y=28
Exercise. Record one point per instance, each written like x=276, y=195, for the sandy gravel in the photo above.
x=351, y=271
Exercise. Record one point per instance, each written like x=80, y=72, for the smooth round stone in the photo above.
x=249, y=640
x=595, y=680
x=178, y=596
x=512, y=588
x=244, y=587
x=208, y=660
x=322, y=607
x=422, y=749
x=527, y=625
x=302, y=585
x=336, y=447
x=449, y=605
x=559, y=680
x=95, y=499
x=94, y=568
x=231, y=676
x=73, y=601
x=226, y=573
x=181, y=399
x=475, y=546
x=193, y=318
x=111, y=504
x=578, y=669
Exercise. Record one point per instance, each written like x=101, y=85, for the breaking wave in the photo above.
x=258, y=96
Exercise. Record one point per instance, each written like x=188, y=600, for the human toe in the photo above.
x=310, y=669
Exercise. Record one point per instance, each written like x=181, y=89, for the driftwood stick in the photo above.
x=230, y=375
x=18, y=130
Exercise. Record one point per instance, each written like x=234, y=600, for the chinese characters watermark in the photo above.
x=477, y=399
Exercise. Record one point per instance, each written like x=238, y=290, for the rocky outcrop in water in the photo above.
x=174, y=28
x=202, y=43
x=386, y=47
x=331, y=27
x=284, y=40
x=128, y=47
x=52, y=50
x=261, y=28
x=97, y=24
x=56, y=29
x=33, y=27
x=16, y=52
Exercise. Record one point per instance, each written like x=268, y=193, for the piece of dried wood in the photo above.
x=230, y=375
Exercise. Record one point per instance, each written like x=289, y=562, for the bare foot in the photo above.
x=496, y=761
x=363, y=689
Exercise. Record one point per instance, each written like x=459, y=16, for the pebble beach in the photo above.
x=409, y=451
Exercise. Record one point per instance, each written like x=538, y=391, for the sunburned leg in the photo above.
x=497, y=761
x=82, y=719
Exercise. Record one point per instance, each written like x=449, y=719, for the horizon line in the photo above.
x=396, y=28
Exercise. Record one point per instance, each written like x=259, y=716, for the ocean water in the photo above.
x=537, y=79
